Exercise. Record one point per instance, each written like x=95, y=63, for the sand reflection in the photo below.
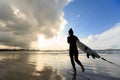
x=33, y=66
x=48, y=73
x=18, y=67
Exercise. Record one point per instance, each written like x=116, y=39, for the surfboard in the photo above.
x=87, y=50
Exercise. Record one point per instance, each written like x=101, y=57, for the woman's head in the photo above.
x=70, y=31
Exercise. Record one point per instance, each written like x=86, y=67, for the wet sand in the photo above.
x=40, y=66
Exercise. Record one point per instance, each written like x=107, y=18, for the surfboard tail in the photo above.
x=91, y=52
x=87, y=50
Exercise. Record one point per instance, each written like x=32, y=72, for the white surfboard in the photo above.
x=87, y=50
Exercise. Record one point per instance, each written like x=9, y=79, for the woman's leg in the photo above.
x=72, y=62
x=77, y=61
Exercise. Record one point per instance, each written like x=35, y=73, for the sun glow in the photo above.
x=43, y=43
x=55, y=43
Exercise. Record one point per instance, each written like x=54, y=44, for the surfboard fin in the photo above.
x=88, y=55
x=93, y=56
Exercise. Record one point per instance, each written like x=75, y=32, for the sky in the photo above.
x=95, y=22
x=92, y=16
x=44, y=24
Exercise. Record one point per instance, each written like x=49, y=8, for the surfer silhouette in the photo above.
x=73, y=51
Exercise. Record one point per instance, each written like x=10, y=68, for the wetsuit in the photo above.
x=73, y=51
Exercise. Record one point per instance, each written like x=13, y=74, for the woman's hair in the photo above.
x=70, y=31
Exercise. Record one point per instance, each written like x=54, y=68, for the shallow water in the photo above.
x=24, y=65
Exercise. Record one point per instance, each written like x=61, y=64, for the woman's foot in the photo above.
x=74, y=72
x=83, y=69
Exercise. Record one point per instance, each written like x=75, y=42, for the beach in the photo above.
x=31, y=65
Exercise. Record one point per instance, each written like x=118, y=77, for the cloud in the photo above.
x=106, y=40
x=21, y=21
x=78, y=16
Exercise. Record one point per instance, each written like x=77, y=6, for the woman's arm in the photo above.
x=68, y=40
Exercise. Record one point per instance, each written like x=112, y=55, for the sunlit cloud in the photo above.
x=110, y=39
x=21, y=21
x=57, y=43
